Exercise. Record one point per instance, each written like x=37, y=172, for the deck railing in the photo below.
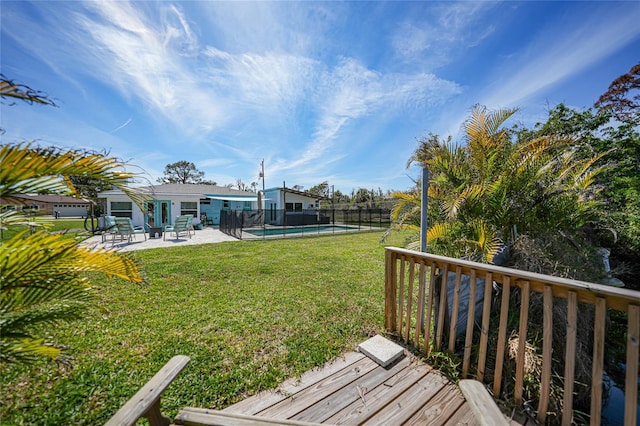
x=416, y=312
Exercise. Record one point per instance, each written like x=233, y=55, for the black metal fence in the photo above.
x=252, y=224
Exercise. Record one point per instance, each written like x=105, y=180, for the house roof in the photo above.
x=186, y=189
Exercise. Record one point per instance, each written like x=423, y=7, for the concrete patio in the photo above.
x=204, y=236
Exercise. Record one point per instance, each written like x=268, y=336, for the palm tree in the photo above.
x=44, y=277
x=484, y=193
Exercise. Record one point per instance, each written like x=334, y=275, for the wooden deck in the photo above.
x=355, y=390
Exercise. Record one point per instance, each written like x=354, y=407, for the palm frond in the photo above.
x=32, y=170
x=27, y=349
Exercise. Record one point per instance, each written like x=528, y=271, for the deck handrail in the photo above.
x=410, y=311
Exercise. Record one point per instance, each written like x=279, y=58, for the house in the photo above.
x=48, y=204
x=300, y=208
x=171, y=200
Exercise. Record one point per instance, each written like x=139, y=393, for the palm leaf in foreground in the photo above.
x=44, y=277
x=44, y=282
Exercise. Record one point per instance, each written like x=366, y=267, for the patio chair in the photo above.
x=124, y=228
x=108, y=227
x=182, y=224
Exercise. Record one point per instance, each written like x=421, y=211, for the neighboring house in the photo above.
x=49, y=204
x=171, y=200
x=299, y=207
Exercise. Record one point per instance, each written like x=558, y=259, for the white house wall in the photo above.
x=275, y=197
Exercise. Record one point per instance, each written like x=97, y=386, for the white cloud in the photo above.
x=434, y=36
x=562, y=52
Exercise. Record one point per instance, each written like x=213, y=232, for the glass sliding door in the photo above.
x=158, y=214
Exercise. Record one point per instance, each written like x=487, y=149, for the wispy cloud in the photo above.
x=351, y=92
x=433, y=38
x=555, y=56
x=121, y=126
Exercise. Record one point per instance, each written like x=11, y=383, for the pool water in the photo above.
x=299, y=230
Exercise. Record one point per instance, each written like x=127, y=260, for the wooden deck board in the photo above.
x=462, y=417
x=376, y=399
x=356, y=391
x=315, y=393
x=349, y=394
x=266, y=399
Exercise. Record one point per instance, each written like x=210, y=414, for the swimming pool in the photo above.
x=266, y=232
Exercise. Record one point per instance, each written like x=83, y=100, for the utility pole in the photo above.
x=423, y=220
x=262, y=173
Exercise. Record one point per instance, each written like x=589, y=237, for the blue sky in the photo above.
x=322, y=91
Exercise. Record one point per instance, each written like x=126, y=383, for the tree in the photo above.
x=486, y=193
x=321, y=190
x=623, y=97
x=44, y=276
x=182, y=172
x=619, y=144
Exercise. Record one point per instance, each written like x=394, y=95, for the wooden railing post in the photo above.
x=631, y=378
x=390, y=291
x=570, y=357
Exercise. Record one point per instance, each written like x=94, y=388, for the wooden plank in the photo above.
x=502, y=335
x=412, y=269
x=146, y=402
x=420, y=308
x=408, y=403
x=547, y=346
x=482, y=404
x=401, y=296
x=443, y=305
x=428, y=322
x=289, y=407
x=376, y=399
x=631, y=378
x=522, y=343
x=454, y=313
x=570, y=358
x=484, y=331
x=204, y=417
x=463, y=416
x=390, y=291
x=437, y=410
x=471, y=314
x=599, y=323
x=263, y=400
x=357, y=390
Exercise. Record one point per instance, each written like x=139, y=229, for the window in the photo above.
x=122, y=209
x=189, y=207
x=290, y=207
x=225, y=204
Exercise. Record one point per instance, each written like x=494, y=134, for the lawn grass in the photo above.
x=71, y=226
x=249, y=314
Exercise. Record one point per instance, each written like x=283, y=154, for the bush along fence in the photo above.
x=258, y=224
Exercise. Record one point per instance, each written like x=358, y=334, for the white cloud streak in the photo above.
x=561, y=53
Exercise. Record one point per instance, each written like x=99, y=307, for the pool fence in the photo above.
x=252, y=224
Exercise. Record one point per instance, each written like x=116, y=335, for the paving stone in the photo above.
x=381, y=350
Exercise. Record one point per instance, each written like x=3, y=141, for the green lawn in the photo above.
x=72, y=226
x=249, y=314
